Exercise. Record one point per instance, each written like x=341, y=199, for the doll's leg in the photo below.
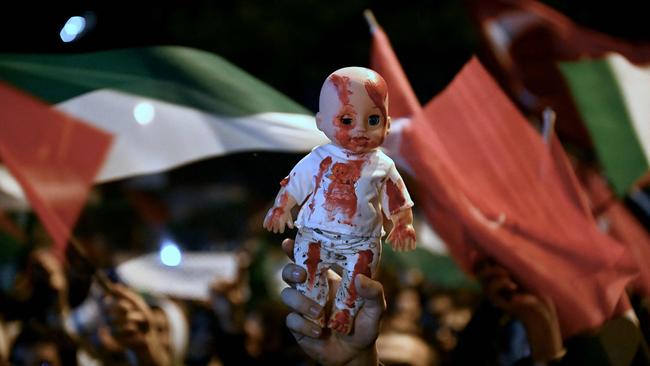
x=307, y=254
x=347, y=303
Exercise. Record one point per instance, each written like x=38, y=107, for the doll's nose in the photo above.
x=360, y=126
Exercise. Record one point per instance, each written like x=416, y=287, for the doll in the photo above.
x=344, y=187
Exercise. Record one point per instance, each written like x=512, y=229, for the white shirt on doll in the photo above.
x=344, y=193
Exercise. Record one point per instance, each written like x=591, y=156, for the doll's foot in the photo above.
x=341, y=321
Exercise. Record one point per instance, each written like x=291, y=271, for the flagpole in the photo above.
x=372, y=21
x=548, y=116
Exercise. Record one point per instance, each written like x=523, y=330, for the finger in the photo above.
x=301, y=304
x=410, y=244
x=298, y=324
x=287, y=246
x=373, y=293
x=293, y=273
x=290, y=223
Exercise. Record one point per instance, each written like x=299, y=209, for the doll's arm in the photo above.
x=402, y=236
x=279, y=216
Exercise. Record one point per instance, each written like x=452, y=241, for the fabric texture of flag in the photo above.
x=403, y=103
x=53, y=156
x=613, y=98
x=166, y=106
x=524, y=42
x=482, y=166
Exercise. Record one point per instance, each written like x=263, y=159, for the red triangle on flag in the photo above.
x=53, y=156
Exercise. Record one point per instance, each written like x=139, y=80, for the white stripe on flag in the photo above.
x=153, y=136
x=634, y=84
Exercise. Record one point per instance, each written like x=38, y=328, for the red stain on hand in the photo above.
x=341, y=195
x=378, y=91
x=402, y=232
x=278, y=210
x=284, y=182
x=396, y=199
x=313, y=258
x=324, y=166
x=361, y=267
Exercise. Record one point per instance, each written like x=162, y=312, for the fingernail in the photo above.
x=314, y=311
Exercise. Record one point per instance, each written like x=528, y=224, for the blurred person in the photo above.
x=404, y=349
x=516, y=327
x=133, y=327
x=39, y=346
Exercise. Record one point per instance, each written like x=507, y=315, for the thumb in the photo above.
x=372, y=292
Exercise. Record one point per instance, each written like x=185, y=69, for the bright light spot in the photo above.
x=72, y=28
x=170, y=255
x=144, y=113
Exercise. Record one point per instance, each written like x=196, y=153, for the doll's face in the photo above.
x=353, y=109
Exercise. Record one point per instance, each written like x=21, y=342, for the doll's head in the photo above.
x=353, y=109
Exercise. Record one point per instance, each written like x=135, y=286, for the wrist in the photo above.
x=366, y=357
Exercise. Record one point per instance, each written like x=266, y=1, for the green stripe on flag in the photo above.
x=177, y=75
x=598, y=97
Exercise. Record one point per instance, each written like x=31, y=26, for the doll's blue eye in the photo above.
x=374, y=120
x=346, y=120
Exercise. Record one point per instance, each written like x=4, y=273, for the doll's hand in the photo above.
x=277, y=219
x=402, y=237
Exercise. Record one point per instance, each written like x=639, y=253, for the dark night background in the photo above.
x=294, y=45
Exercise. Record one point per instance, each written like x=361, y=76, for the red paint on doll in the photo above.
x=378, y=91
x=341, y=85
x=341, y=195
x=313, y=258
x=361, y=267
x=341, y=319
x=396, y=199
x=284, y=182
x=401, y=232
x=324, y=166
x=278, y=210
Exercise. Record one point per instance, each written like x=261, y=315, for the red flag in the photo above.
x=403, y=102
x=53, y=156
x=617, y=221
x=525, y=40
x=492, y=174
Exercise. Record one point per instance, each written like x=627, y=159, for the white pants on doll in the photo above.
x=317, y=251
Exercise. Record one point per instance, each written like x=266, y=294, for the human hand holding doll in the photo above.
x=346, y=186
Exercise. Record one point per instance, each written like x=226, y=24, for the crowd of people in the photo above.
x=60, y=313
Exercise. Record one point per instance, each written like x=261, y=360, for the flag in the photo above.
x=166, y=106
x=403, y=102
x=435, y=264
x=613, y=98
x=617, y=221
x=480, y=164
x=53, y=156
x=526, y=39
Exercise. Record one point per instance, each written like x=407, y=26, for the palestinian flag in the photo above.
x=613, y=98
x=166, y=106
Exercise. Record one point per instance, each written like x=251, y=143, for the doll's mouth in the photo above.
x=361, y=140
